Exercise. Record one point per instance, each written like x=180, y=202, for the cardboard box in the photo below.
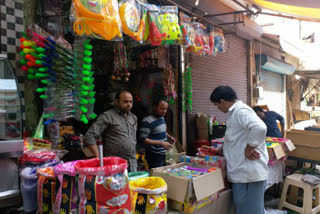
x=223, y=205
x=307, y=144
x=180, y=188
x=203, y=133
x=276, y=152
x=286, y=144
x=202, y=121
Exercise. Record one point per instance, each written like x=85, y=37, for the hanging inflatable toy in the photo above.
x=170, y=27
x=132, y=25
x=104, y=25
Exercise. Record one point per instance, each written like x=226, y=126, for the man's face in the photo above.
x=125, y=102
x=261, y=114
x=161, y=109
x=222, y=106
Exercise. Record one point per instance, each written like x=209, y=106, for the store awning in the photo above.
x=270, y=64
x=301, y=8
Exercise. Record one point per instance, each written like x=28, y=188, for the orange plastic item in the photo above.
x=105, y=25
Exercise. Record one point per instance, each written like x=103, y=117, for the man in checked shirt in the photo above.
x=117, y=127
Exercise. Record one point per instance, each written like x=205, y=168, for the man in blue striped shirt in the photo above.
x=153, y=133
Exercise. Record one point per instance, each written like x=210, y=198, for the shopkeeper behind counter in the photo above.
x=117, y=127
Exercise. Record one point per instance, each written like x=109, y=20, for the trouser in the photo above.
x=249, y=197
x=155, y=160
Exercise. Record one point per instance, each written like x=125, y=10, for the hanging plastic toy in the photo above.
x=102, y=24
x=132, y=25
x=170, y=24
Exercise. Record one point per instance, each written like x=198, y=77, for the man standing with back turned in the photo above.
x=245, y=151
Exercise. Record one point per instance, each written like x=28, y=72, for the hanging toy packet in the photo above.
x=97, y=18
x=133, y=18
x=169, y=21
x=188, y=34
x=220, y=42
x=153, y=31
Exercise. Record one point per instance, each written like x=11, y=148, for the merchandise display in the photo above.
x=103, y=189
x=100, y=20
x=56, y=68
x=149, y=195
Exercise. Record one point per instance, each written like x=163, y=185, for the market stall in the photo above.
x=128, y=45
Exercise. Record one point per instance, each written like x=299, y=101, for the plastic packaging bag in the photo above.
x=149, y=195
x=169, y=22
x=136, y=175
x=172, y=155
x=220, y=42
x=99, y=19
x=187, y=31
x=133, y=18
x=103, y=189
x=153, y=32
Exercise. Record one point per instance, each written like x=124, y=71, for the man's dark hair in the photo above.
x=223, y=93
x=117, y=97
x=258, y=109
x=156, y=102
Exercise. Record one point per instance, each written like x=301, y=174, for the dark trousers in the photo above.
x=155, y=160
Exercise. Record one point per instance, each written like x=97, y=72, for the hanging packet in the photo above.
x=133, y=18
x=99, y=19
x=187, y=31
x=169, y=21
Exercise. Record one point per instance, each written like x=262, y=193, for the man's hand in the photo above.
x=166, y=145
x=171, y=139
x=251, y=153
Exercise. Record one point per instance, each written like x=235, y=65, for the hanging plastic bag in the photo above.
x=103, y=189
x=99, y=19
x=199, y=41
x=153, y=32
x=149, y=195
x=169, y=21
x=220, y=42
x=133, y=18
x=187, y=31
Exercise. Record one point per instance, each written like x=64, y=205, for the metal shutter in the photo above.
x=273, y=92
x=208, y=72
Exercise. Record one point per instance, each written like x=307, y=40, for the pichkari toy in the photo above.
x=170, y=24
x=219, y=41
x=97, y=18
x=187, y=30
x=65, y=76
x=132, y=24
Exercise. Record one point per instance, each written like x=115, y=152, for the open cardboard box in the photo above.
x=307, y=144
x=276, y=152
x=203, y=186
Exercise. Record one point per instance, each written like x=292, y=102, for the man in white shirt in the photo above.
x=245, y=151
